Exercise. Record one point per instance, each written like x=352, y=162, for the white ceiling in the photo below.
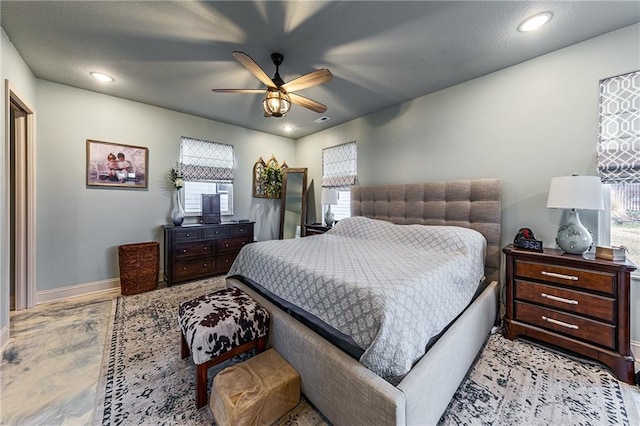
x=381, y=53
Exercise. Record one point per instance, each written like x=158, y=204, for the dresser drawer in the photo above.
x=241, y=230
x=232, y=244
x=215, y=232
x=186, y=250
x=187, y=234
x=194, y=267
x=568, y=324
x=578, y=302
x=572, y=277
x=224, y=262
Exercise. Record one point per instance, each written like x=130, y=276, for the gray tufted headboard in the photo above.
x=471, y=204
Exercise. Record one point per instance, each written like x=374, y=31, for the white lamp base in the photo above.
x=573, y=237
x=328, y=217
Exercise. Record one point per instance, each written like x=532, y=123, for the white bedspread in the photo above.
x=390, y=287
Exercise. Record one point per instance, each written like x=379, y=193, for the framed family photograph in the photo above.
x=113, y=164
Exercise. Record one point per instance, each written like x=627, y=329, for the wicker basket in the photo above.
x=139, y=267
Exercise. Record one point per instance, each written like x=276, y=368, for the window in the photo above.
x=207, y=168
x=619, y=161
x=340, y=170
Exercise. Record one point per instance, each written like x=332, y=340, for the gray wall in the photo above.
x=525, y=125
x=80, y=227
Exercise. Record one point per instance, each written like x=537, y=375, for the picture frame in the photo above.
x=117, y=165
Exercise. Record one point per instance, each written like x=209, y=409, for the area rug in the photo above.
x=144, y=381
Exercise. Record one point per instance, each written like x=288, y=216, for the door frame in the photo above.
x=25, y=202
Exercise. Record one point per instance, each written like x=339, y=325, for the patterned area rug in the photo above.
x=144, y=380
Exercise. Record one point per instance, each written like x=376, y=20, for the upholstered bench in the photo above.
x=219, y=326
x=255, y=392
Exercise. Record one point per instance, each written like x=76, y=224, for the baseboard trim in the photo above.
x=55, y=294
x=103, y=286
x=635, y=349
x=4, y=338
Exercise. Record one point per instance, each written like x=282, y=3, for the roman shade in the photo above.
x=339, y=166
x=619, y=129
x=205, y=161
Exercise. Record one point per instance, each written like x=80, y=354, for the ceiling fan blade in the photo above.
x=311, y=79
x=238, y=90
x=255, y=69
x=307, y=103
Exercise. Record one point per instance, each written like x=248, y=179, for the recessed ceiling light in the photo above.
x=535, y=22
x=287, y=128
x=102, y=77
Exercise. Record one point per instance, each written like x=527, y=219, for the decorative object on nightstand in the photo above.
x=575, y=303
x=329, y=198
x=575, y=193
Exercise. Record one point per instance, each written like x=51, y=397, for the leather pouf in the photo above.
x=255, y=392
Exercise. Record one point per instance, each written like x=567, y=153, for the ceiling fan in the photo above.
x=279, y=96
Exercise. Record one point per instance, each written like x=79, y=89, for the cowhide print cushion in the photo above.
x=220, y=321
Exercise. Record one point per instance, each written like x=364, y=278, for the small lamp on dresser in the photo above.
x=575, y=193
x=329, y=198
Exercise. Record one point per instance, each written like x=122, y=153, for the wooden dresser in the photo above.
x=199, y=251
x=573, y=303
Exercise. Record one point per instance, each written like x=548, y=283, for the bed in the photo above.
x=340, y=386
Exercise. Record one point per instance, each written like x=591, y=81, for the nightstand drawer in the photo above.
x=571, y=325
x=186, y=250
x=591, y=305
x=573, y=277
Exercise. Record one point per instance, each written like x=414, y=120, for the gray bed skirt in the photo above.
x=347, y=393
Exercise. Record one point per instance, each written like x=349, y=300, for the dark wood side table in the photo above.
x=571, y=302
x=315, y=229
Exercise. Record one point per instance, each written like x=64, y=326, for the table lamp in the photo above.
x=329, y=197
x=575, y=193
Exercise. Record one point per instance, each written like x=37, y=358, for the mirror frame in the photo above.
x=283, y=201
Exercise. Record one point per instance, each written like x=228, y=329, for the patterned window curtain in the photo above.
x=204, y=161
x=619, y=129
x=340, y=166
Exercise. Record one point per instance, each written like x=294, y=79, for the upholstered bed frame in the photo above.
x=346, y=392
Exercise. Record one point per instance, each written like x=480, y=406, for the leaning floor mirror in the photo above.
x=293, y=210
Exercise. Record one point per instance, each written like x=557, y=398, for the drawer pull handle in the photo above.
x=241, y=230
x=563, y=324
x=226, y=245
x=184, y=251
x=563, y=276
x=204, y=265
x=204, y=247
x=559, y=299
x=188, y=235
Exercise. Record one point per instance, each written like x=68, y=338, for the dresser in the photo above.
x=571, y=302
x=198, y=251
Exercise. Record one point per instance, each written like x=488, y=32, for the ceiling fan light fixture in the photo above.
x=276, y=103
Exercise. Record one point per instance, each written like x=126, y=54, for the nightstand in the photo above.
x=315, y=229
x=571, y=302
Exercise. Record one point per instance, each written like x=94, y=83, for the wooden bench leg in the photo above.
x=201, y=385
x=184, y=349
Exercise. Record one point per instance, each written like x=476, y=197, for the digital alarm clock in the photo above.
x=526, y=240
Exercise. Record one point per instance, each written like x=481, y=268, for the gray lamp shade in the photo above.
x=575, y=193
